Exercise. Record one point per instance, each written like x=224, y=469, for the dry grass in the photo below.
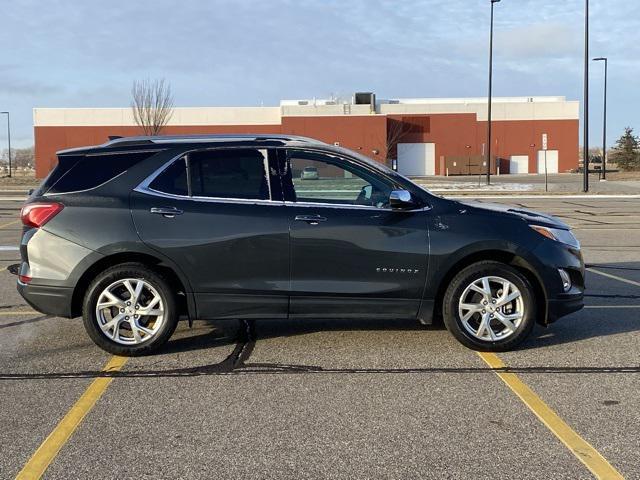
x=19, y=180
x=622, y=176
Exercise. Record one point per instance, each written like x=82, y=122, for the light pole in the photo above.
x=489, y=104
x=585, y=153
x=8, y=139
x=604, y=121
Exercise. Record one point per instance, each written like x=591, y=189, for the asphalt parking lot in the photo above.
x=336, y=399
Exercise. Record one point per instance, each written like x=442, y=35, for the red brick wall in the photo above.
x=461, y=135
x=453, y=134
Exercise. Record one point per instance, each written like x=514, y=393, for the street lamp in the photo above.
x=8, y=139
x=604, y=121
x=585, y=153
x=489, y=105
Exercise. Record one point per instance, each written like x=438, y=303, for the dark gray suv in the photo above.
x=142, y=231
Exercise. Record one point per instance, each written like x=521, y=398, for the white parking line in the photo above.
x=612, y=306
x=615, y=277
x=9, y=248
x=546, y=197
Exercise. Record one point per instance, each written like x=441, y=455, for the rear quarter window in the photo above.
x=86, y=172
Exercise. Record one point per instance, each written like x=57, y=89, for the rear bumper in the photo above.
x=46, y=299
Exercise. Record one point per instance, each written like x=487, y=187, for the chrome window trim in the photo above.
x=337, y=205
x=144, y=187
x=156, y=193
x=353, y=207
x=245, y=201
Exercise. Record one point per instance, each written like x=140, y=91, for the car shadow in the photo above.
x=228, y=332
x=582, y=325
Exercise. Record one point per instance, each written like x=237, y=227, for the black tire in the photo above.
x=475, y=272
x=136, y=271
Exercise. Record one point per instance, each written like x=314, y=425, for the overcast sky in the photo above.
x=85, y=53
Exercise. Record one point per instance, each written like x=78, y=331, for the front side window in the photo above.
x=232, y=173
x=319, y=178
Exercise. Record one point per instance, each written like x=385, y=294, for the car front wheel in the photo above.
x=489, y=306
x=129, y=309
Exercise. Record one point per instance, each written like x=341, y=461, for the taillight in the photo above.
x=24, y=278
x=37, y=214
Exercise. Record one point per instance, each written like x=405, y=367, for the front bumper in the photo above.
x=54, y=301
x=552, y=256
x=559, y=307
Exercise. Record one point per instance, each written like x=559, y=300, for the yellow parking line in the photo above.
x=6, y=313
x=39, y=462
x=10, y=223
x=615, y=277
x=588, y=455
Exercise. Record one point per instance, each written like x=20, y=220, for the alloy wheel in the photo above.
x=491, y=308
x=130, y=311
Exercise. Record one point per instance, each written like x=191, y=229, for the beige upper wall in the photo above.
x=509, y=108
x=50, y=117
x=500, y=110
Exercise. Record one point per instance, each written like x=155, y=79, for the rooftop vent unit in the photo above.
x=365, y=98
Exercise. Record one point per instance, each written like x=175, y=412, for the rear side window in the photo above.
x=229, y=174
x=90, y=171
x=173, y=179
x=238, y=173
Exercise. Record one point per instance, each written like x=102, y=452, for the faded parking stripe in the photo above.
x=583, y=450
x=9, y=223
x=42, y=458
x=615, y=277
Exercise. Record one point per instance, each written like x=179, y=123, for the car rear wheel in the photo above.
x=129, y=309
x=489, y=306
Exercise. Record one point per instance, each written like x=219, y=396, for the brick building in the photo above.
x=425, y=136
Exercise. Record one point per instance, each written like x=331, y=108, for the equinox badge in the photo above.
x=396, y=270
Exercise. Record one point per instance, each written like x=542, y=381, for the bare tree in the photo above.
x=152, y=105
x=396, y=130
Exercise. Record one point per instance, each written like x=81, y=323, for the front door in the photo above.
x=219, y=215
x=351, y=255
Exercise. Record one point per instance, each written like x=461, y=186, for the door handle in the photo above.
x=167, y=212
x=310, y=219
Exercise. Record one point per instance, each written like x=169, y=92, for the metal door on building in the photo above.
x=417, y=159
x=519, y=164
x=552, y=161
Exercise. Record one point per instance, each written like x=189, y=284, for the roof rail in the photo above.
x=164, y=139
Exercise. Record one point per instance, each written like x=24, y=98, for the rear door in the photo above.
x=219, y=215
x=351, y=255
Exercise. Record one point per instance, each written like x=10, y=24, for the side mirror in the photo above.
x=401, y=200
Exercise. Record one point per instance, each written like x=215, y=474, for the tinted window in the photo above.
x=88, y=172
x=321, y=178
x=173, y=179
x=65, y=164
x=229, y=174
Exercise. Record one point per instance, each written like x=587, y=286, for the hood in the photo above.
x=530, y=216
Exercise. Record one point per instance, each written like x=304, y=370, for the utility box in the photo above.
x=470, y=165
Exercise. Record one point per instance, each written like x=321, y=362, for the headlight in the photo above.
x=557, y=234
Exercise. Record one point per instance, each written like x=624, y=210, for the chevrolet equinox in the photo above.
x=139, y=232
